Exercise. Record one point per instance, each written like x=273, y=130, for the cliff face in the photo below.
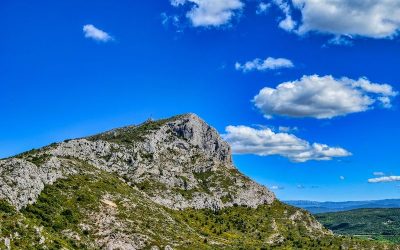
x=179, y=162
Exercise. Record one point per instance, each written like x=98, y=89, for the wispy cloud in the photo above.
x=378, y=173
x=342, y=177
x=264, y=142
x=339, y=41
x=287, y=129
x=262, y=65
x=275, y=187
x=262, y=8
x=384, y=179
x=90, y=31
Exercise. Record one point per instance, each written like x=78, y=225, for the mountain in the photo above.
x=330, y=206
x=375, y=223
x=165, y=184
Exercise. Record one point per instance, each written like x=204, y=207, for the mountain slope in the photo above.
x=180, y=162
x=162, y=184
x=376, y=223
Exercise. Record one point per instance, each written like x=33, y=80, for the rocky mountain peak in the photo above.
x=199, y=134
x=179, y=162
x=166, y=183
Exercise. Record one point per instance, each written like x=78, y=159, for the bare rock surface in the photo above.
x=178, y=162
x=21, y=181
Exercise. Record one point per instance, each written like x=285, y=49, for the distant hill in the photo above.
x=316, y=207
x=374, y=223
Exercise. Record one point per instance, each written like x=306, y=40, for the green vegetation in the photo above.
x=218, y=178
x=36, y=156
x=266, y=227
x=131, y=134
x=377, y=223
x=92, y=206
x=38, y=159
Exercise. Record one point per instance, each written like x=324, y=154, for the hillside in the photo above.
x=375, y=223
x=330, y=206
x=166, y=184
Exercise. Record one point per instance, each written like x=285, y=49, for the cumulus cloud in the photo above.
x=341, y=18
x=262, y=65
x=262, y=8
x=210, y=12
x=264, y=142
x=323, y=97
x=372, y=18
x=384, y=179
x=97, y=34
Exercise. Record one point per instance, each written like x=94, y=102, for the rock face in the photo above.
x=21, y=181
x=178, y=162
x=166, y=184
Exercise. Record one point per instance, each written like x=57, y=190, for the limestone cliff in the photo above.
x=179, y=162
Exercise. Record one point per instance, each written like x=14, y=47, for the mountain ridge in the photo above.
x=175, y=154
x=168, y=184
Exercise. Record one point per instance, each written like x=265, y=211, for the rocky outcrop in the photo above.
x=178, y=162
x=22, y=181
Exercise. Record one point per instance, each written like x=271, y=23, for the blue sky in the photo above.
x=329, y=80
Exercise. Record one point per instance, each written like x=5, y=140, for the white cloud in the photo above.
x=263, y=65
x=323, y=97
x=384, y=179
x=264, y=142
x=342, y=177
x=341, y=18
x=94, y=33
x=368, y=18
x=275, y=187
x=210, y=12
x=378, y=173
x=262, y=8
x=287, y=23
